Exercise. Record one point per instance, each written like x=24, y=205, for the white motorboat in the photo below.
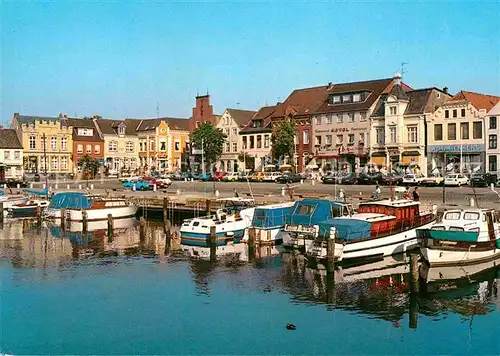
x=10, y=200
x=96, y=208
x=28, y=208
x=464, y=236
x=268, y=223
x=231, y=223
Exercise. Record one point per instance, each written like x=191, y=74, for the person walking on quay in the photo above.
x=416, y=196
x=377, y=194
x=236, y=195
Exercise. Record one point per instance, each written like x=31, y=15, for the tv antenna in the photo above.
x=403, y=70
x=157, y=110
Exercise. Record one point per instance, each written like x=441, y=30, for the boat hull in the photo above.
x=101, y=214
x=10, y=202
x=437, y=256
x=268, y=236
x=201, y=239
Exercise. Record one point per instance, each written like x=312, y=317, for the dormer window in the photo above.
x=356, y=98
x=336, y=99
x=121, y=129
x=346, y=98
x=392, y=110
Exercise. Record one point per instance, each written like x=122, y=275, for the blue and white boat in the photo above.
x=269, y=221
x=303, y=225
x=231, y=222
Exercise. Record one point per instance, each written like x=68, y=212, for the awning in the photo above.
x=410, y=153
x=379, y=161
x=409, y=160
x=327, y=157
x=378, y=154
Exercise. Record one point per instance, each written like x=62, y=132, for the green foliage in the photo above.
x=283, y=139
x=211, y=139
x=90, y=166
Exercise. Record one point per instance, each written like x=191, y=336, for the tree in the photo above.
x=211, y=140
x=89, y=165
x=283, y=139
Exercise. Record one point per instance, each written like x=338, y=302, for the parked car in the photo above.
x=12, y=183
x=456, y=179
x=36, y=177
x=218, y=176
x=243, y=176
x=205, y=177
x=130, y=179
x=413, y=179
x=349, y=178
x=365, y=178
x=271, y=176
x=139, y=185
x=392, y=179
x=289, y=178
x=329, y=179
x=433, y=180
x=231, y=177
x=483, y=180
x=257, y=177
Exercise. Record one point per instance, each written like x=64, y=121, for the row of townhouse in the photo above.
x=119, y=145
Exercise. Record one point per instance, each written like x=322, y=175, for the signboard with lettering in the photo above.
x=458, y=148
x=341, y=129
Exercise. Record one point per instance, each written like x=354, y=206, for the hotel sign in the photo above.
x=341, y=129
x=458, y=148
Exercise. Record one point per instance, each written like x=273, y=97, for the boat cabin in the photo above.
x=309, y=212
x=272, y=216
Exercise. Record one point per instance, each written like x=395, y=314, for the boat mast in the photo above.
x=45, y=162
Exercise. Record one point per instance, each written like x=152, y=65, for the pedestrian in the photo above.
x=236, y=195
x=377, y=193
x=407, y=194
x=416, y=196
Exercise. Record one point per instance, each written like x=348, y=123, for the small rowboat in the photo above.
x=28, y=208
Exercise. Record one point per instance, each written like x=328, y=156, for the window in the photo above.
x=266, y=141
x=89, y=149
x=362, y=116
x=64, y=144
x=32, y=142
x=177, y=146
x=305, y=137
x=393, y=133
x=79, y=148
x=492, y=163
x=336, y=99
x=438, y=132
x=112, y=146
x=7, y=155
x=163, y=146
x=392, y=110
x=462, y=112
x=151, y=146
x=453, y=215
x=340, y=119
x=464, y=130
x=141, y=146
x=347, y=98
x=197, y=124
x=97, y=149
x=306, y=209
x=259, y=141
x=53, y=143
x=362, y=138
x=350, y=139
x=493, y=122
x=44, y=143
x=329, y=119
x=452, y=131
x=356, y=98
x=121, y=130
x=317, y=140
x=447, y=114
x=477, y=130
x=226, y=131
x=53, y=163
x=17, y=154
x=412, y=134
x=454, y=112
x=340, y=139
x=244, y=142
x=226, y=149
x=235, y=146
x=252, y=140
x=350, y=117
x=492, y=143
x=380, y=131
x=468, y=215
x=85, y=132
x=129, y=146
x=64, y=163
x=329, y=139
x=317, y=120
x=235, y=131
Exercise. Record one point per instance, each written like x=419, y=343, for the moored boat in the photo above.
x=96, y=208
x=379, y=228
x=29, y=208
x=464, y=236
x=230, y=221
x=10, y=200
x=268, y=223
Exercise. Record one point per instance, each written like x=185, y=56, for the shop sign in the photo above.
x=458, y=148
x=341, y=129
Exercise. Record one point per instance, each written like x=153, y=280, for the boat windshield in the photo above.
x=70, y=200
x=270, y=218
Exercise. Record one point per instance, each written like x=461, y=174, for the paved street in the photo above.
x=486, y=197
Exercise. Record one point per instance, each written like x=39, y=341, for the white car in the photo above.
x=413, y=179
x=231, y=177
x=130, y=179
x=456, y=180
x=165, y=181
x=433, y=180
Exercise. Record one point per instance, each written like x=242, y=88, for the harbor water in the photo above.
x=64, y=292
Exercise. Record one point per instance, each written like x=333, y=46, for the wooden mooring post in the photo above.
x=38, y=212
x=208, y=206
x=110, y=228
x=165, y=210
x=63, y=219
x=414, y=289
x=168, y=237
x=213, y=244
x=330, y=254
x=1, y=211
x=251, y=243
x=142, y=229
x=84, y=222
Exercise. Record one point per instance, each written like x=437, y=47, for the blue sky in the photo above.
x=119, y=59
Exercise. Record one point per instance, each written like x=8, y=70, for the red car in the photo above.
x=159, y=183
x=218, y=176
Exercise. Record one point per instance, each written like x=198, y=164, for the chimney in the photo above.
x=65, y=116
x=330, y=86
x=60, y=115
x=397, y=78
x=445, y=89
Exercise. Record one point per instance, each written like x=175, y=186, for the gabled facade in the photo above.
x=86, y=141
x=456, y=133
x=492, y=134
x=341, y=125
x=120, y=144
x=231, y=122
x=256, y=139
x=398, y=127
x=58, y=134
x=11, y=155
